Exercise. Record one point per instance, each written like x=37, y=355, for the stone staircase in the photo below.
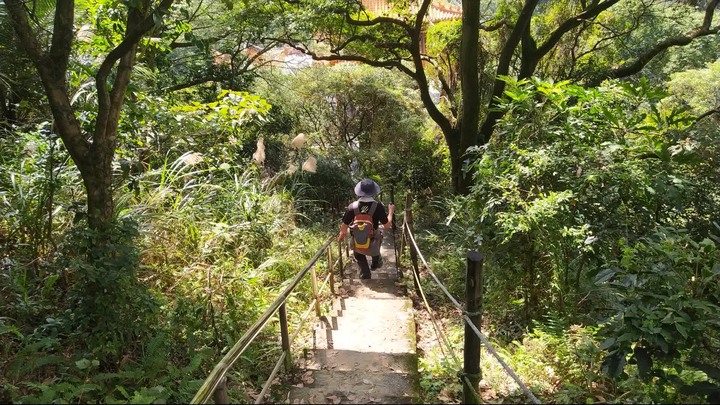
x=364, y=349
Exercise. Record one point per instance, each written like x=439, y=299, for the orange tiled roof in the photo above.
x=440, y=10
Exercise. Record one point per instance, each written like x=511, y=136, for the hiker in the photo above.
x=363, y=218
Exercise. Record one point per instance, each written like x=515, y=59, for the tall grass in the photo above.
x=211, y=245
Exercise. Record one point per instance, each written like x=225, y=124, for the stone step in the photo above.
x=369, y=325
x=350, y=360
x=387, y=271
x=357, y=386
x=379, y=288
x=364, y=348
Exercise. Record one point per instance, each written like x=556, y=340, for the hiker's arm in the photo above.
x=391, y=212
x=343, y=231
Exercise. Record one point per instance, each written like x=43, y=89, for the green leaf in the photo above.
x=10, y=329
x=157, y=19
x=711, y=371
x=614, y=363
x=83, y=364
x=122, y=391
x=606, y=275
x=681, y=329
x=608, y=343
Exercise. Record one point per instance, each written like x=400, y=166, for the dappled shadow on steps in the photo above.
x=364, y=349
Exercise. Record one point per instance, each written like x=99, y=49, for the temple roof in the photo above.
x=440, y=10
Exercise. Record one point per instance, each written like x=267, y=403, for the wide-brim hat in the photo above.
x=367, y=188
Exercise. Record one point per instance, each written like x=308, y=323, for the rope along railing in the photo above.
x=473, y=282
x=215, y=385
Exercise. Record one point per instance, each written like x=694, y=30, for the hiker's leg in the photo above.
x=376, y=262
x=363, y=264
x=377, y=242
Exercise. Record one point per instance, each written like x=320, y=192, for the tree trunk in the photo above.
x=455, y=161
x=100, y=205
x=470, y=91
x=92, y=157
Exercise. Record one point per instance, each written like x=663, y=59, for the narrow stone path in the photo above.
x=364, y=350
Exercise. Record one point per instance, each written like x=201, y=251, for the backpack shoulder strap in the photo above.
x=373, y=207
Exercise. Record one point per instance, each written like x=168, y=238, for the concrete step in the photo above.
x=364, y=348
x=369, y=325
x=350, y=360
x=357, y=386
x=380, y=288
x=387, y=271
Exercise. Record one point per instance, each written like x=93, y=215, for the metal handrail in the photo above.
x=218, y=373
x=285, y=354
x=407, y=230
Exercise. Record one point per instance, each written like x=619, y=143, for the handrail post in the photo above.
x=285, y=336
x=315, y=291
x=342, y=266
x=408, y=203
x=473, y=300
x=413, y=253
x=220, y=396
x=393, y=226
x=331, y=271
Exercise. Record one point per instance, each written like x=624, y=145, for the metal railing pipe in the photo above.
x=213, y=380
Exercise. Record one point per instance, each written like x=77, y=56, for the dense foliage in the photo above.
x=597, y=206
x=200, y=247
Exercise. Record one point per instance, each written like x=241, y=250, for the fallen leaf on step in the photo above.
x=307, y=378
x=366, y=381
x=351, y=398
x=334, y=399
x=446, y=396
x=299, y=385
x=489, y=394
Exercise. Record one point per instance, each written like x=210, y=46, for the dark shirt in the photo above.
x=379, y=216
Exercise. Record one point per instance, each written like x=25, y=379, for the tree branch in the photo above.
x=335, y=57
x=571, y=23
x=62, y=37
x=706, y=114
x=351, y=39
x=134, y=31
x=377, y=21
x=54, y=83
x=641, y=61
x=494, y=27
x=131, y=38
x=19, y=20
x=522, y=24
